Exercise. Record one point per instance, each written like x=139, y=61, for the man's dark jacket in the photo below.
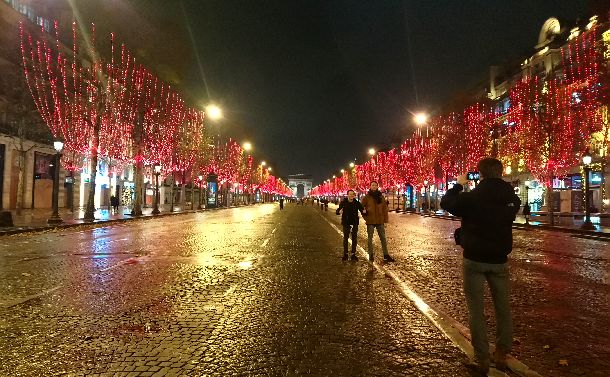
x=487, y=214
x=350, y=212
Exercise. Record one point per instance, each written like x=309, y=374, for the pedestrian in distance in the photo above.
x=527, y=211
x=375, y=214
x=350, y=220
x=487, y=213
x=114, y=202
x=281, y=203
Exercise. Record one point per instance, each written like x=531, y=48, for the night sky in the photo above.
x=313, y=84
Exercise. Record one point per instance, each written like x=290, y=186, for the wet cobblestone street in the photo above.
x=259, y=291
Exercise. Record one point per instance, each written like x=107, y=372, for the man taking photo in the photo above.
x=487, y=213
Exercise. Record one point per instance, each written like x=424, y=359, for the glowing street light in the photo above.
x=420, y=119
x=247, y=146
x=342, y=171
x=263, y=163
x=351, y=164
x=372, y=151
x=214, y=112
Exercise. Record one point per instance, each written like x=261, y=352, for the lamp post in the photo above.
x=200, y=191
x=55, y=219
x=586, y=161
x=157, y=172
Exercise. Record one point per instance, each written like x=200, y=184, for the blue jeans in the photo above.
x=496, y=275
x=370, y=230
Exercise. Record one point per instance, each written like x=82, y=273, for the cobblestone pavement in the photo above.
x=245, y=291
x=560, y=289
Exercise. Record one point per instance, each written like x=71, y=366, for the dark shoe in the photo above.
x=354, y=257
x=344, y=257
x=371, y=258
x=387, y=258
x=500, y=359
x=480, y=367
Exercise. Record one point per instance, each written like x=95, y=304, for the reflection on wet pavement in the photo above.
x=256, y=291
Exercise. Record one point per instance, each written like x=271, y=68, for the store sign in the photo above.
x=576, y=182
x=212, y=189
x=596, y=178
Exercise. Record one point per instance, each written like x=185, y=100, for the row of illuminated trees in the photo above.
x=114, y=108
x=551, y=122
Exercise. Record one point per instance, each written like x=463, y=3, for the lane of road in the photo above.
x=108, y=278
x=560, y=288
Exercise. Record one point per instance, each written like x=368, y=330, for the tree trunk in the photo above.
x=21, y=182
x=549, y=203
x=90, y=208
x=109, y=193
x=95, y=146
x=183, y=192
x=171, y=194
x=139, y=184
x=602, y=185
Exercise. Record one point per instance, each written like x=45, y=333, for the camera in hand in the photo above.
x=473, y=176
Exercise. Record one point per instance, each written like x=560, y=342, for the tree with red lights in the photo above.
x=81, y=104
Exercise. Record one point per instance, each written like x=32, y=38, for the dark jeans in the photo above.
x=346, y=230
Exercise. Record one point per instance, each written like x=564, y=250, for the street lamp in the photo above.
x=371, y=151
x=157, y=172
x=247, y=146
x=421, y=119
x=351, y=164
x=55, y=219
x=200, y=191
x=586, y=161
x=214, y=112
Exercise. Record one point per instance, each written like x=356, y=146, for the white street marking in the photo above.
x=451, y=328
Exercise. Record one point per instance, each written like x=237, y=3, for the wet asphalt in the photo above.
x=259, y=291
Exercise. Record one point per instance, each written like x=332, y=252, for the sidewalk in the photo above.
x=599, y=232
x=35, y=220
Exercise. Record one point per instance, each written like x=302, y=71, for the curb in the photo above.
x=591, y=234
x=126, y=218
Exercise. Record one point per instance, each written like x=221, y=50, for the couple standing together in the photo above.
x=374, y=209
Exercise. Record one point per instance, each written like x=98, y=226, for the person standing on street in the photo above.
x=350, y=220
x=282, y=203
x=487, y=213
x=527, y=211
x=375, y=214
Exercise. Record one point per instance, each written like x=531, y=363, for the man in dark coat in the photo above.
x=487, y=213
x=350, y=220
